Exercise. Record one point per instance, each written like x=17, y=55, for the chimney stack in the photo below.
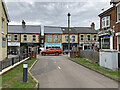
x=93, y=25
x=23, y=24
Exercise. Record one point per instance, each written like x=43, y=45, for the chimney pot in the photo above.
x=23, y=24
x=93, y=25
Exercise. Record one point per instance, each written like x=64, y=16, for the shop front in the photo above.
x=118, y=41
x=89, y=45
x=107, y=39
x=52, y=45
x=13, y=48
x=65, y=46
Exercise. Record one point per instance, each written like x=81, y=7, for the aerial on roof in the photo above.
x=27, y=29
x=52, y=30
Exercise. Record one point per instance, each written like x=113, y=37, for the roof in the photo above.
x=52, y=30
x=71, y=30
x=5, y=9
x=85, y=30
x=28, y=29
x=106, y=11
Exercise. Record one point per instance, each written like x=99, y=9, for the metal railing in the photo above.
x=11, y=61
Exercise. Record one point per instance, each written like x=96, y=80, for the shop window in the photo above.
x=118, y=13
x=49, y=38
x=66, y=38
x=9, y=37
x=15, y=37
x=25, y=37
x=106, y=43
x=82, y=37
x=73, y=38
x=88, y=37
x=34, y=37
x=56, y=38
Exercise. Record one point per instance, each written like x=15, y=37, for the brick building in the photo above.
x=110, y=27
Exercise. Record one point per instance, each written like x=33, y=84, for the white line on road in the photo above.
x=59, y=67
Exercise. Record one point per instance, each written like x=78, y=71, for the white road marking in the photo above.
x=59, y=67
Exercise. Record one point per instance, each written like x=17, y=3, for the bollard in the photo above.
x=25, y=65
x=12, y=61
x=0, y=66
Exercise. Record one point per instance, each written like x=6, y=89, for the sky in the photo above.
x=54, y=13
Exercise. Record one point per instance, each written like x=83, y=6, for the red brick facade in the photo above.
x=113, y=22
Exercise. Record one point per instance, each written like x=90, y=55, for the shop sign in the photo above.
x=106, y=36
x=13, y=43
x=105, y=32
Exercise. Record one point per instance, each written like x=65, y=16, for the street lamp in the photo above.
x=68, y=32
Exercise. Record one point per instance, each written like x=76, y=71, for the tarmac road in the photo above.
x=59, y=72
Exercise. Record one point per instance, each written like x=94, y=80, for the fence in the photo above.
x=92, y=55
x=11, y=61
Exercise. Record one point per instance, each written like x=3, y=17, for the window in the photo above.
x=82, y=37
x=66, y=38
x=15, y=37
x=9, y=37
x=118, y=13
x=56, y=38
x=95, y=37
x=2, y=26
x=42, y=41
x=88, y=37
x=34, y=37
x=106, y=21
x=73, y=38
x=49, y=38
x=25, y=37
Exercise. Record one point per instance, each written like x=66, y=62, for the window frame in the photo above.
x=81, y=37
x=34, y=38
x=16, y=37
x=118, y=13
x=106, y=21
x=49, y=38
x=95, y=38
x=73, y=39
x=9, y=37
x=56, y=38
x=2, y=27
x=88, y=38
x=66, y=38
x=24, y=37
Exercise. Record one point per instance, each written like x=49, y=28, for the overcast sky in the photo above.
x=55, y=13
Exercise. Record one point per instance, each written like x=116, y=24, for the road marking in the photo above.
x=59, y=67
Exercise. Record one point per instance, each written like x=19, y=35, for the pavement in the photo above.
x=60, y=72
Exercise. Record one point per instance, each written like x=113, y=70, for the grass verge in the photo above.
x=14, y=78
x=114, y=74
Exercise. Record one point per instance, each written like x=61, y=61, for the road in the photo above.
x=59, y=72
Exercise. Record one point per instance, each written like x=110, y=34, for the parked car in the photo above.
x=55, y=51
x=66, y=51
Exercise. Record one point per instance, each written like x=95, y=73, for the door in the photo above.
x=119, y=60
x=119, y=47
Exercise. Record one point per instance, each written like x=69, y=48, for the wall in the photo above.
x=3, y=51
x=53, y=38
x=76, y=38
x=29, y=38
x=12, y=38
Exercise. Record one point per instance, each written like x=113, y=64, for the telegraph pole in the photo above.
x=68, y=33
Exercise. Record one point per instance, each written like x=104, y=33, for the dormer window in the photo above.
x=106, y=21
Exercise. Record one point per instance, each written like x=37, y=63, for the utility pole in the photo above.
x=68, y=33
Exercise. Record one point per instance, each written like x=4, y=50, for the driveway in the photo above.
x=59, y=72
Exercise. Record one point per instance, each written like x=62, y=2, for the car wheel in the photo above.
x=56, y=54
x=43, y=54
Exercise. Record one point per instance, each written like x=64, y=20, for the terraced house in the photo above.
x=53, y=37
x=110, y=27
x=4, y=19
x=23, y=38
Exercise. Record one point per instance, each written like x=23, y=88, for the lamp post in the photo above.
x=25, y=66
x=68, y=32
